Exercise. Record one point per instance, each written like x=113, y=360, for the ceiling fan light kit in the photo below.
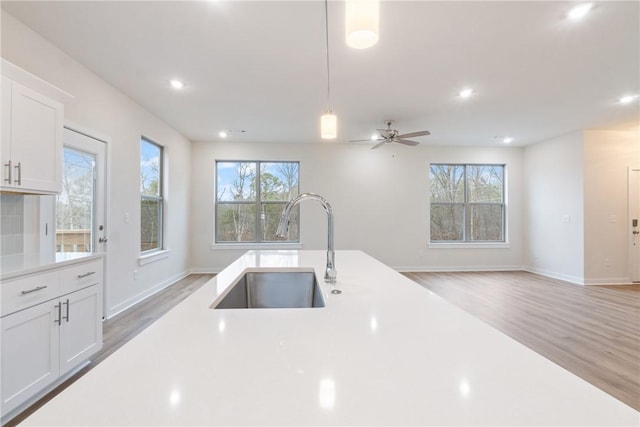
x=362, y=19
x=392, y=135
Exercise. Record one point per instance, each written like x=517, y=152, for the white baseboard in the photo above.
x=609, y=281
x=205, y=270
x=575, y=280
x=119, y=308
x=449, y=268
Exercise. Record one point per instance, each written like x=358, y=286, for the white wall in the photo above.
x=607, y=157
x=106, y=111
x=380, y=200
x=553, y=211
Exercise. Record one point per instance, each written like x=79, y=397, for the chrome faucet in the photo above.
x=330, y=273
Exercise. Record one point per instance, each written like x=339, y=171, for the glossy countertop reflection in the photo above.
x=384, y=352
x=17, y=265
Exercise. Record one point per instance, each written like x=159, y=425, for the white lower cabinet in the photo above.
x=42, y=343
x=30, y=353
x=81, y=328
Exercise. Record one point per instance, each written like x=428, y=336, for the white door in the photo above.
x=80, y=216
x=80, y=208
x=634, y=224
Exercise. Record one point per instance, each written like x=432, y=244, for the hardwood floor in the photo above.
x=120, y=329
x=592, y=331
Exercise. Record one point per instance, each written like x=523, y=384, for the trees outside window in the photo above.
x=250, y=198
x=151, y=200
x=467, y=203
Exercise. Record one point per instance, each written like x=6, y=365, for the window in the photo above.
x=467, y=203
x=250, y=198
x=151, y=203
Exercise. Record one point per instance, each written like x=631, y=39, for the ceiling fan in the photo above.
x=392, y=135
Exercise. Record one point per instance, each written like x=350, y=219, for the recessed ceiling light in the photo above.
x=465, y=93
x=177, y=84
x=507, y=140
x=579, y=11
x=374, y=137
x=222, y=134
x=627, y=99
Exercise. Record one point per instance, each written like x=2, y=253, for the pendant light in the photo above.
x=362, y=19
x=328, y=121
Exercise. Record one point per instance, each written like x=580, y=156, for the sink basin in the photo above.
x=273, y=289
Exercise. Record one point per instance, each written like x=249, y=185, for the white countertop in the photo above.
x=384, y=352
x=22, y=264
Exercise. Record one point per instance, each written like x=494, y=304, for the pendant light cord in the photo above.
x=326, y=28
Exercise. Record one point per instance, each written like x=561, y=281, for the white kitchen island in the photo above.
x=384, y=352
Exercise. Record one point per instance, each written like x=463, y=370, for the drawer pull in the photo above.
x=67, y=317
x=59, y=319
x=36, y=289
x=82, y=276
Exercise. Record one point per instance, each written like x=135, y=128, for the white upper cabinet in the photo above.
x=32, y=123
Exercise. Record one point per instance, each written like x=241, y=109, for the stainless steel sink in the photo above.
x=273, y=289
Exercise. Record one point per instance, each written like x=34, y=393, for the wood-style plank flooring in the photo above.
x=120, y=329
x=592, y=331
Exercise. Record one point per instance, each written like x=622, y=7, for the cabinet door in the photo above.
x=5, y=140
x=36, y=141
x=30, y=349
x=81, y=328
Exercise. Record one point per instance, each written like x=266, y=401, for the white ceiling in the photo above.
x=260, y=66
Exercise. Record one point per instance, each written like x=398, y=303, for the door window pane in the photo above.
x=75, y=204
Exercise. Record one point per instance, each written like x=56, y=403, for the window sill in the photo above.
x=148, y=258
x=256, y=246
x=467, y=245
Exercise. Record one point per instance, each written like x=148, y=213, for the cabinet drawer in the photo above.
x=28, y=291
x=80, y=276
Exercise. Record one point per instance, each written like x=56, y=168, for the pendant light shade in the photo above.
x=328, y=121
x=362, y=20
x=329, y=125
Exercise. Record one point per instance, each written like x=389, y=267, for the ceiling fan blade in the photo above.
x=406, y=142
x=411, y=134
x=379, y=144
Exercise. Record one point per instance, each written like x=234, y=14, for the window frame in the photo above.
x=160, y=198
x=467, y=206
x=257, y=204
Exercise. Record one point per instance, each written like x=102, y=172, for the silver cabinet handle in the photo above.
x=19, y=167
x=59, y=319
x=8, y=165
x=36, y=289
x=87, y=274
x=67, y=317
